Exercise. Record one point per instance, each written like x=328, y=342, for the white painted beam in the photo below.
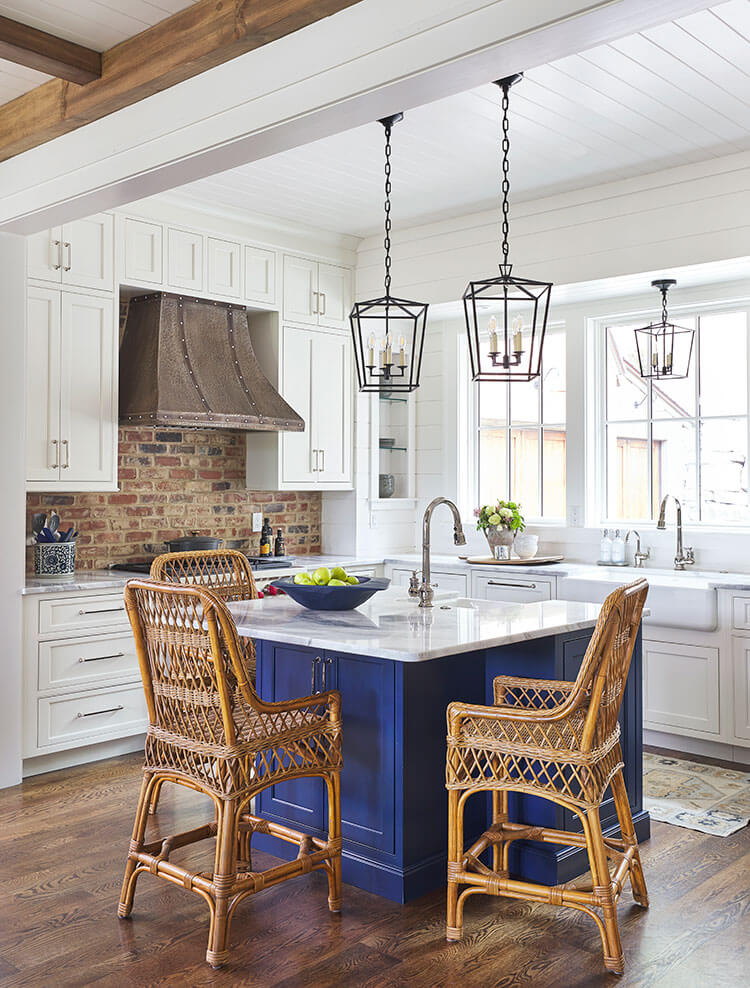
x=369, y=60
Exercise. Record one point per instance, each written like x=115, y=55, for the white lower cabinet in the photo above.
x=485, y=586
x=82, y=683
x=741, y=670
x=442, y=579
x=681, y=687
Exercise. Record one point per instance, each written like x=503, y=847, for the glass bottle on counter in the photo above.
x=618, y=549
x=266, y=537
x=279, y=549
x=605, y=548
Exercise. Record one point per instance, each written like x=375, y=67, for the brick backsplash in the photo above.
x=173, y=482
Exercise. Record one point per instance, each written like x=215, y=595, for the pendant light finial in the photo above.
x=664, y=350
x=509, y=347
x=385, y=363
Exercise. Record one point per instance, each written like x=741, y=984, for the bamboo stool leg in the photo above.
x=155, y=792
x=333, y=785
x=136, y=843
x=622, y=805
x=614, y=959
x=225, y=873
x=454, y=923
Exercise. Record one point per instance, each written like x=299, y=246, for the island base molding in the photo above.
x=394, y=803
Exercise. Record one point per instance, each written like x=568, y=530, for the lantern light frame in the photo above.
x=655, y=343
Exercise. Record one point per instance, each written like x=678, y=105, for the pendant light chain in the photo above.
x=505, y=169
x=387, y=240
x=664, y=314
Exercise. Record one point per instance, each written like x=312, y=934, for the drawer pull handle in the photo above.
x=95, y=713
x=101, y=610
x=98, y=658
x=523, y=586
x=315, y=663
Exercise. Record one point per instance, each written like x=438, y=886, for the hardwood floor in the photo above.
x=63, y=840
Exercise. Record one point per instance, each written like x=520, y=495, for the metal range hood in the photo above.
x=189, y=362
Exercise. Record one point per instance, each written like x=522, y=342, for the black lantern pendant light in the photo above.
x=664, y=350
x=506, y=317
x=388, y=332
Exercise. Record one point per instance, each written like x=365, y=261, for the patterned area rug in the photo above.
x=700, y=797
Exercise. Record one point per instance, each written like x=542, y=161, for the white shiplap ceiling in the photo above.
x=97, y=24
x=671, y=95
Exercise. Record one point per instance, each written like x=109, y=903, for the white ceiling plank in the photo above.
x=736, y=14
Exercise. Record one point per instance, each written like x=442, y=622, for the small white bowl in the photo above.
x=525, y=546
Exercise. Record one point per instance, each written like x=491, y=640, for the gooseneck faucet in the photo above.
x=426, y=590
x=639, y=557
x=681, y=558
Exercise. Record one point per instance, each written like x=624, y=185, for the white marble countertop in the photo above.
x=391, y=626
x=107, y=579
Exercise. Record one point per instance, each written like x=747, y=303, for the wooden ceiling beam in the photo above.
x=44, y=52
x=189, y=42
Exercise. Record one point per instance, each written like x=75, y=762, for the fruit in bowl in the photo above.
x=329, y=590
x=323, y=577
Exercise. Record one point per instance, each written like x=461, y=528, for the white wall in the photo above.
x=12, y=497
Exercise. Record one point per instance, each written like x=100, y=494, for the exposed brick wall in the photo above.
x=172, y=483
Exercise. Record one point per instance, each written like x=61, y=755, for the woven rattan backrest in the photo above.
x=190, y=661
x=606, y=664
x=225, y=571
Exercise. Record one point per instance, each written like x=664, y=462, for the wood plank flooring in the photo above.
x=63, y=840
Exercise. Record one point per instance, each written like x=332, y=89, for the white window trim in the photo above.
x=596, y=412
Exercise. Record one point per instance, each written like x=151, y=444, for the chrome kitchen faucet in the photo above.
x=426, y=590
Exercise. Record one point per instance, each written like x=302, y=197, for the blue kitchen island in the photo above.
x=397, y=667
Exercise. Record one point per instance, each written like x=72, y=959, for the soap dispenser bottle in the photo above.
x=618, y=549
x=605, y=548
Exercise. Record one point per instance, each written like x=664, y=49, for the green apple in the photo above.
x=303, y=578
x=339, y=573
x=352, y=579
x=337, y=583
x=321, y=576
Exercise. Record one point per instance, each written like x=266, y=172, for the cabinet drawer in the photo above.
x=503, y=588
x=681, y=686
x=741, y=613
x=80, y=613
x=444, y=581
x=87, y=661
x=96, y=715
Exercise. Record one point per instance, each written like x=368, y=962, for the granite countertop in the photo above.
x=391, y=626
x=106, y=579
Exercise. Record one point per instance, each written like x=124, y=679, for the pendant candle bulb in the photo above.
x=664, y=349
x=509, y=348
x=382, y=363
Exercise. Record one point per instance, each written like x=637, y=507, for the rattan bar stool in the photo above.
x=226, y=572
x=560, y=741
x=210, y=732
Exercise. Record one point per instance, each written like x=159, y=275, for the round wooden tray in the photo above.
x=534, y=561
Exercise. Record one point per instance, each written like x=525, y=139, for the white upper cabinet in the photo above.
x=71, y=413
x=334, y=296
x=78, y=254
x=296, y=385
x=224, y=268
x=143, y=252
x=331, y=410
x=316, y=294
x=185, y=260
x=260, y=275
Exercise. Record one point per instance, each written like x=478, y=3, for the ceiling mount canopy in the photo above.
x=506, y=317
x=664, y=350
x=388, y=332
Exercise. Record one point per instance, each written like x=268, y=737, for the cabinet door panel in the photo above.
x=224, y=277
x=88, y=252
x=334, y=287
x=296, y=386
x=43, y=386
x=681, y=686
x=331, y=412
x=260, y=275
x=44, y=255
x=185, y=260
x=367, y=688
x=300, y=290
x=88, y=419
x=143, y=252
x=741, y=656
x=286, y=673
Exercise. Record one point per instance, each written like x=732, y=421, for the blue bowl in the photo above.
x=331, y=598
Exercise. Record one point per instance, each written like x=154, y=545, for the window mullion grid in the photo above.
x=508, y=440
x=699, y=419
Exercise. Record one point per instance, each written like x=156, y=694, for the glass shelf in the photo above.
x=387, y=449
x=401, y=401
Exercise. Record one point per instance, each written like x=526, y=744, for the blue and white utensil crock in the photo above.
x=54, y=558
